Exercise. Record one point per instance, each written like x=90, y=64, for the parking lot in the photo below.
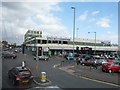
x=90, y=72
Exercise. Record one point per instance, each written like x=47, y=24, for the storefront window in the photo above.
x=49, y=41
x=44, y=41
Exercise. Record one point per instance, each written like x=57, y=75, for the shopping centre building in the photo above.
x=36, y=43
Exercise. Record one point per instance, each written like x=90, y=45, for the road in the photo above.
x=58, y=77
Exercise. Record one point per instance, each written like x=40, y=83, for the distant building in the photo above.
x=58, y=45
x=32, y=34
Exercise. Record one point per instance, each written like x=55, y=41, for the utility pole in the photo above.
x=95, y=40
x=73, y=28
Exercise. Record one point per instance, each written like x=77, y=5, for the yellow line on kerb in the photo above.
x=98, y=81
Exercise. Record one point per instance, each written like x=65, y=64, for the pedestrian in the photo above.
x=77, y=60
x=95, y=64
x=23, y=63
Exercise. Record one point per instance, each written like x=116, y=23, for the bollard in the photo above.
x=43, y=76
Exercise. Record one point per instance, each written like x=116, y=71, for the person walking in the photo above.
x=23, y=63
x=77, y=60
x=95, y=64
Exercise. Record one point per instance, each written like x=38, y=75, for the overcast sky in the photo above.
x=56, y=19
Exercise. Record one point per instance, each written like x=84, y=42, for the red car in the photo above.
x=111, y=67
x=87, y=62
x=19, y=75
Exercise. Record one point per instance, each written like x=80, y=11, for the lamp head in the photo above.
x=73, y=7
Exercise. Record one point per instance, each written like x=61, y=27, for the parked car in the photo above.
x=19, y=75
x=43, y=57
x=17, y=50
x=86, y=57
x=117, y=59
x=110, y=59
x=100, y=60
x=70, y=58
x=6, y=54
x=111, y=67
x=87, y=62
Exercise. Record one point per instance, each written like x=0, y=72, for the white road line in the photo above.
x=54, y=66
x=94, y=79
x=98, y=81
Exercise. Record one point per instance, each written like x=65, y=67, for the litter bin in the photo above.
x=43, y=76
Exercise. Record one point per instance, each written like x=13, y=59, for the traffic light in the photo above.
x=23, y=48
x=77, y=49
x=39, y=51
x=86, y=50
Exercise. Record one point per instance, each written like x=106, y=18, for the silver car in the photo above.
x=46, y=58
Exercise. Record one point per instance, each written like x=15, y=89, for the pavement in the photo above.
x=90, y=73
x=37, y=81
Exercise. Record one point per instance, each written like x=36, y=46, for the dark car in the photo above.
x=87, y=62
x=6, y=54
x=20, y=75
x=70, y=58
x=111, y=66
x=86, y=57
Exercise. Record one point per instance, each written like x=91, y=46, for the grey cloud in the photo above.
x=17, y=18
x=12, y=5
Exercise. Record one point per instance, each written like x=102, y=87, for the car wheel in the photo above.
x=110, y=71
x=8, y=76
x=83, y=64
x=30, y=82
x=103, y=70
x=13, y=82
x=34, y=58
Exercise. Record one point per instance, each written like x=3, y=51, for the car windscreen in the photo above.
x=101, y=60
x=117, y=59
x=105, y=64
x=99, y=57
x=6, y=52
x=111, y=58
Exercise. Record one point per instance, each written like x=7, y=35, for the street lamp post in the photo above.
x=77, y=33
x=73, y=28
x=95, y=39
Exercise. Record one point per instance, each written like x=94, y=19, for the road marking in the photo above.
x=92, y=79
x=97, y=80
x=54, y=66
